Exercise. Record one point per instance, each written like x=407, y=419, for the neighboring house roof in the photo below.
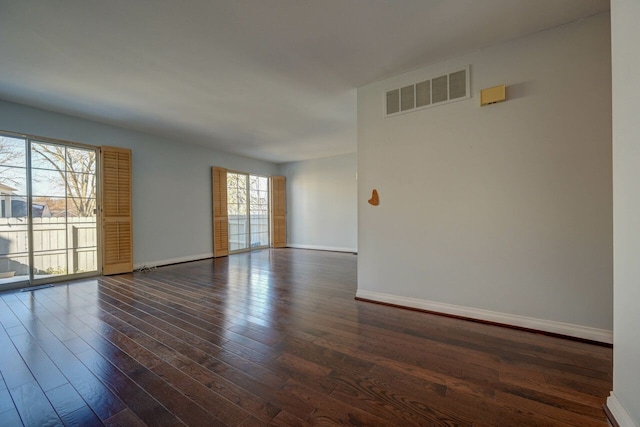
x=6, y=189
x=19, y=209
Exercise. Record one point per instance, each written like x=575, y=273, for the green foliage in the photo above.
x=57, y=270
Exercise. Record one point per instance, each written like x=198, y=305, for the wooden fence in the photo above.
x=60, y=245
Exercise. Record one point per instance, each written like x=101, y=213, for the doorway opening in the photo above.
x=248, y=211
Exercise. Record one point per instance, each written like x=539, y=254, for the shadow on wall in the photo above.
x=517, y=90
x=7, y=264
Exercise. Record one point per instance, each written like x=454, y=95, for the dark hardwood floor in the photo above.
x=275, y=337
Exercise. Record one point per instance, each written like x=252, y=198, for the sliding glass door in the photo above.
x=259, y=211
x=48, y=223
x=15, y=264
x=248, y=209
x=238, y=212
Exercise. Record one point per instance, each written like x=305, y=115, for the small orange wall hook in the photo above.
x=374, y=200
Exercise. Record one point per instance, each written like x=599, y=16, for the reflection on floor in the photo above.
x=24, y=279
x=275, y=337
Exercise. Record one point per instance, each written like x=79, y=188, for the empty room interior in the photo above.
x=284, y=212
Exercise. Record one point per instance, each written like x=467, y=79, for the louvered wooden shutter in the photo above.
x=117, y=221
x=278, y=212
x=220, y=213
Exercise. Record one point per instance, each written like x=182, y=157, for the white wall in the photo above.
x=500, y=212
x=322, y=203
x=171, y=180
x=624, y=402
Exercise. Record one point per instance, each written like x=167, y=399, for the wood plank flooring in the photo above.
x=275, y=337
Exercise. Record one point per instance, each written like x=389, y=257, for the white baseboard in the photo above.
x=178, y=260
x=620, y=414
x=321, y=248
x=568, y=329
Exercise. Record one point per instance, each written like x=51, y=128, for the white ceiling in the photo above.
x=269, y=79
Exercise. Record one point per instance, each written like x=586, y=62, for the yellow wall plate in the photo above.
x=492, y=95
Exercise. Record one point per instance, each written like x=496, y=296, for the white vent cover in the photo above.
x=458, y=84
x=407, y=95
x=393, y=101
x=423, y=94
x=438, y=90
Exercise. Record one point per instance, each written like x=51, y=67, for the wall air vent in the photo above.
x=393, y=101
x=442, y=89
x=407, y=95
x=423, y=94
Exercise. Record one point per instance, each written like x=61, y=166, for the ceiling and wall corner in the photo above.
x=273, y=80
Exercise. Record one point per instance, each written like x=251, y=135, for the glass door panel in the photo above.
x=248, y=210
x=82, y=241
x=49, y=198
x=259, y=211
x=64, y=210
x=237, y=210
x=14, y=218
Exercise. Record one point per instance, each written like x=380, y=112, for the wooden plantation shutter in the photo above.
x=220, y=213
x=278, y=212
x=117, y=223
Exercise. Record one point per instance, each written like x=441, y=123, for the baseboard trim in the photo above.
x=522, y=322
x=170, y=261
x=618, y=416
x=321, y=248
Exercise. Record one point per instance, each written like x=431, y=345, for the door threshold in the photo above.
x=35, y=288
